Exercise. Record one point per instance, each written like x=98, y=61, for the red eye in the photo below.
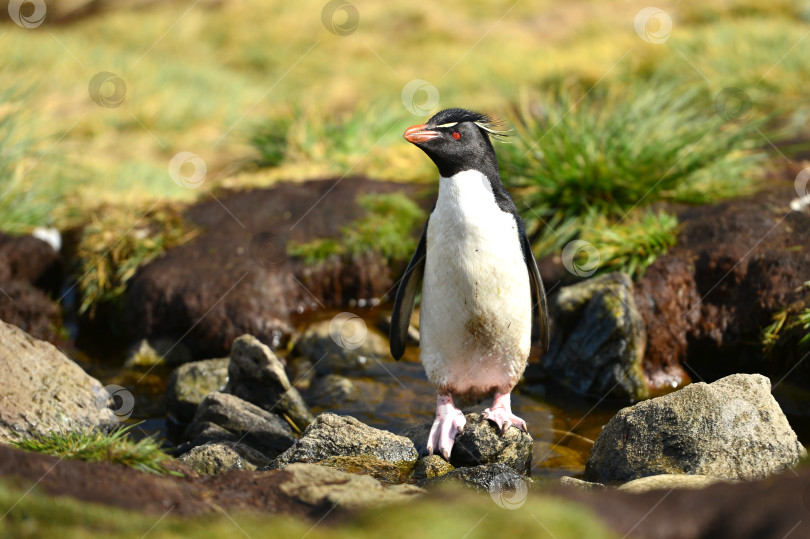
x=456, y=136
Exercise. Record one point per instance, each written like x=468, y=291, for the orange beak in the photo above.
x=419, y=133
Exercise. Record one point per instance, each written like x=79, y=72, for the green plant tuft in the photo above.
x=619, y=148
x=386, y=229
x=96, y=446
x=635, y=243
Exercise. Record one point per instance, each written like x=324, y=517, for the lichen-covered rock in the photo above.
x=256, y=375
x=669, y=482
x=42, y=390
x=732, y=428
x=190, y=383
x=332, y=435
x=342, y=345
x=215, y=458
x=481, y=443
x=388, y=473
x=430, y=467
x=597, y=346
x=223, y=417
x=331, y=391
x=497, y=479
x=318, y=486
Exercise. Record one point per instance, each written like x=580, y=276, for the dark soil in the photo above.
x=236, y=277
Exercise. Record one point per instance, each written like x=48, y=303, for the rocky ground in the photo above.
x=704, y=460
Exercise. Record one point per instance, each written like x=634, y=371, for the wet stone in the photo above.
x=189, y=384
x=342, y=346
x=214, y=458
x=386, y=472
x=430, y=467
x=496, y=479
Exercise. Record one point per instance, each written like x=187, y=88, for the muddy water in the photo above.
x=392, y=396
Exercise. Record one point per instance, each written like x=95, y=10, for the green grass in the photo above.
x=614, y=150
x=116, y=242
x=95, y=446
x=632, y=245
x=386, y=229
x=789, y=333
x=456, y=513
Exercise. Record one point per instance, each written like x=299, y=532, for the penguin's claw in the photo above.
x=504, y=419
x=450, y=422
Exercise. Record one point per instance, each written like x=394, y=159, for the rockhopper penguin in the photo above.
x=483, y=301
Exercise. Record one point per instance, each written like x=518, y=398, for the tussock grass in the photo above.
x=617, y=149
x=633, y=244
x=94, y=446
x=789, y=333
x=386, y=229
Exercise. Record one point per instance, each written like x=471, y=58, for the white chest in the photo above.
x=476, y=299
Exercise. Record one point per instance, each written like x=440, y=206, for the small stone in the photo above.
x=494, y=478
x=333, y=390
x=386, y=472
x=225, y=417
x=481, y=443
x=318, y=486
x=256, y=375
x=333, y=435
x=579, y=484
x=332, y=355
x=189, y=384
x=431, y=467
x=732, y=428
x=669, y=482
x=215, y=458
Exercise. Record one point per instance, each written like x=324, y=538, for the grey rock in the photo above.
x=223, y=417
x=388, y=473
x=497, y=479
x=321, y=487
x=215, y=458
x=332, y=435
x=190, y=383
x=732, y=428
x=42, y=390
x=481, y=443
x=579, y=484
x=598, y=342
x=342, y=346
x=332, y=390
x=669, y=482
x=256, y=375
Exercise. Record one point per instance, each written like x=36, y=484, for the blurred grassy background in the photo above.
x=262, y=91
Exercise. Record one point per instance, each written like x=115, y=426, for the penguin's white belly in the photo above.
x=475, y=319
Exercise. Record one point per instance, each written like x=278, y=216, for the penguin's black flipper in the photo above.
x=406, y=294
x=539, y=307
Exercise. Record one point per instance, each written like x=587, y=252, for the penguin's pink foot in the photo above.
x=449, y=422
x=501, y=413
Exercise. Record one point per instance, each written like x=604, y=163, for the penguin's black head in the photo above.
x=458, y=140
